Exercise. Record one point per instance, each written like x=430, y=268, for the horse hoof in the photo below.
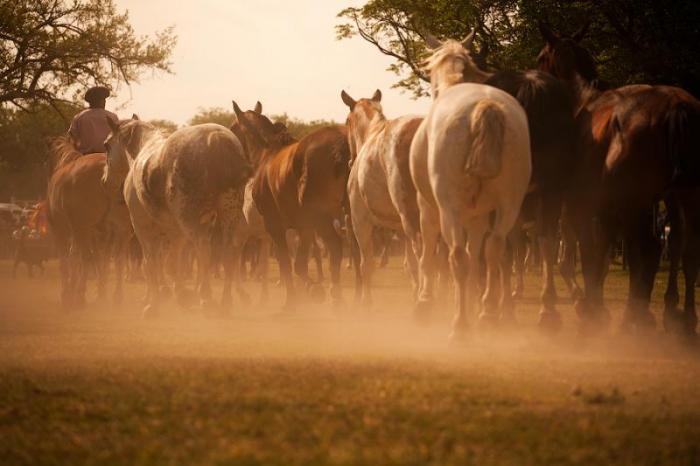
x=549, y=321
x=488, y=320
x=149, y=312
x=422, y=311
x=460, y=333
x=317, y=293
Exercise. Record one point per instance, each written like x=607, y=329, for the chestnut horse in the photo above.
x=298, y=185
x=85, y=218
x=639, y=144
x=549, y=106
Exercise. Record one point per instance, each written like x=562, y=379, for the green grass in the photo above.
x=354, y=386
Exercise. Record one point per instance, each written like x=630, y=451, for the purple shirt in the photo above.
x=89, y=129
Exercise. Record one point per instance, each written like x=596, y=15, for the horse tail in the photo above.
x=487, y=129
x=683, y=136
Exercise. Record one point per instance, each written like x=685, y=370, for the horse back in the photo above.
x=549, y=105
x=305, y=179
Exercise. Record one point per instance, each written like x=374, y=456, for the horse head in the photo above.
x=257, y=133
x=123, y=145
x=362, y=113
x=451, y=63
x=564, y=57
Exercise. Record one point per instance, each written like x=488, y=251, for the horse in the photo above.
x=85, y=218
x=380, y=189
x=638, y=145
x=471, y=165
x=298, y=185
x=175, y=189
x=549, y=106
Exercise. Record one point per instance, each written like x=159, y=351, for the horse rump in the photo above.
x=683, y=133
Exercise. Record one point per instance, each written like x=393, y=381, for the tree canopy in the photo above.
x=296, y=127
x=633, y=41
x=51, y=50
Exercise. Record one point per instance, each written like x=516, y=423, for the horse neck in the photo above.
x=363, y=129
x=444, y=78
x=584, y=92
x=261, y=154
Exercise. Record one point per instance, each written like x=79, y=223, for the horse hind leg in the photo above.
x=691, y=258
x=644, y=255
x=334, y=244
x=675, y=250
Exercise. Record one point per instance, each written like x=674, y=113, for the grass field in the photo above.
x=355, y=386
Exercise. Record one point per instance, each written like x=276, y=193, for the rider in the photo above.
x=89, y=128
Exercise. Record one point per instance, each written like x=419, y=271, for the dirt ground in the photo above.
x=334, y=386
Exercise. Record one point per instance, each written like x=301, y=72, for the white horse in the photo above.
x=175, y=188
x=380, y=188
x=470, y=163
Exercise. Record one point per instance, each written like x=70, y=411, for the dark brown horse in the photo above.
x=298, y=185
x=638, y=145
x=549, y=106
x=86, y=219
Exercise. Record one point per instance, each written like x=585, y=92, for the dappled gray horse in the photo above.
x=175, y=188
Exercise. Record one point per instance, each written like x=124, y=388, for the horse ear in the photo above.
x=431, y=41
x=377, y=97
x=258, y=107
x=134, y=116
x=114, y=126
x=547, y=34
x=236, y=109
x=467, y=42
x=581, y=33
x=347, y=100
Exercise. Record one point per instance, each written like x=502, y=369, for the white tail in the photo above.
x=487, y=130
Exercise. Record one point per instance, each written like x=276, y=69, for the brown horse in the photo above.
x=298, y=185
x=86, y=219
x=639, y=144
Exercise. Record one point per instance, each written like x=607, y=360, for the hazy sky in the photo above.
x=281, y=52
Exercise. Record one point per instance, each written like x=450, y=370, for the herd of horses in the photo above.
x=591, y=164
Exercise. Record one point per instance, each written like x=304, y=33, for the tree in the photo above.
x=632, y=40
x=296, y=127
x=166, y=126
x=51, y=50
x=300, y=128
x=216, y=115
x=23, y=148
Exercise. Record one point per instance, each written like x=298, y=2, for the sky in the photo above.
x=281, y=52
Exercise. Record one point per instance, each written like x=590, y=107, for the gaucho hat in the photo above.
x=96, y=93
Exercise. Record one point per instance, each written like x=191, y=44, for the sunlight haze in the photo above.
x=282, y=53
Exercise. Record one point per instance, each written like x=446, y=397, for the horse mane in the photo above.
x=62, y=151
x=452, y=50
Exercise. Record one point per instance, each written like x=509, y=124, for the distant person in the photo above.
x=89, y=128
